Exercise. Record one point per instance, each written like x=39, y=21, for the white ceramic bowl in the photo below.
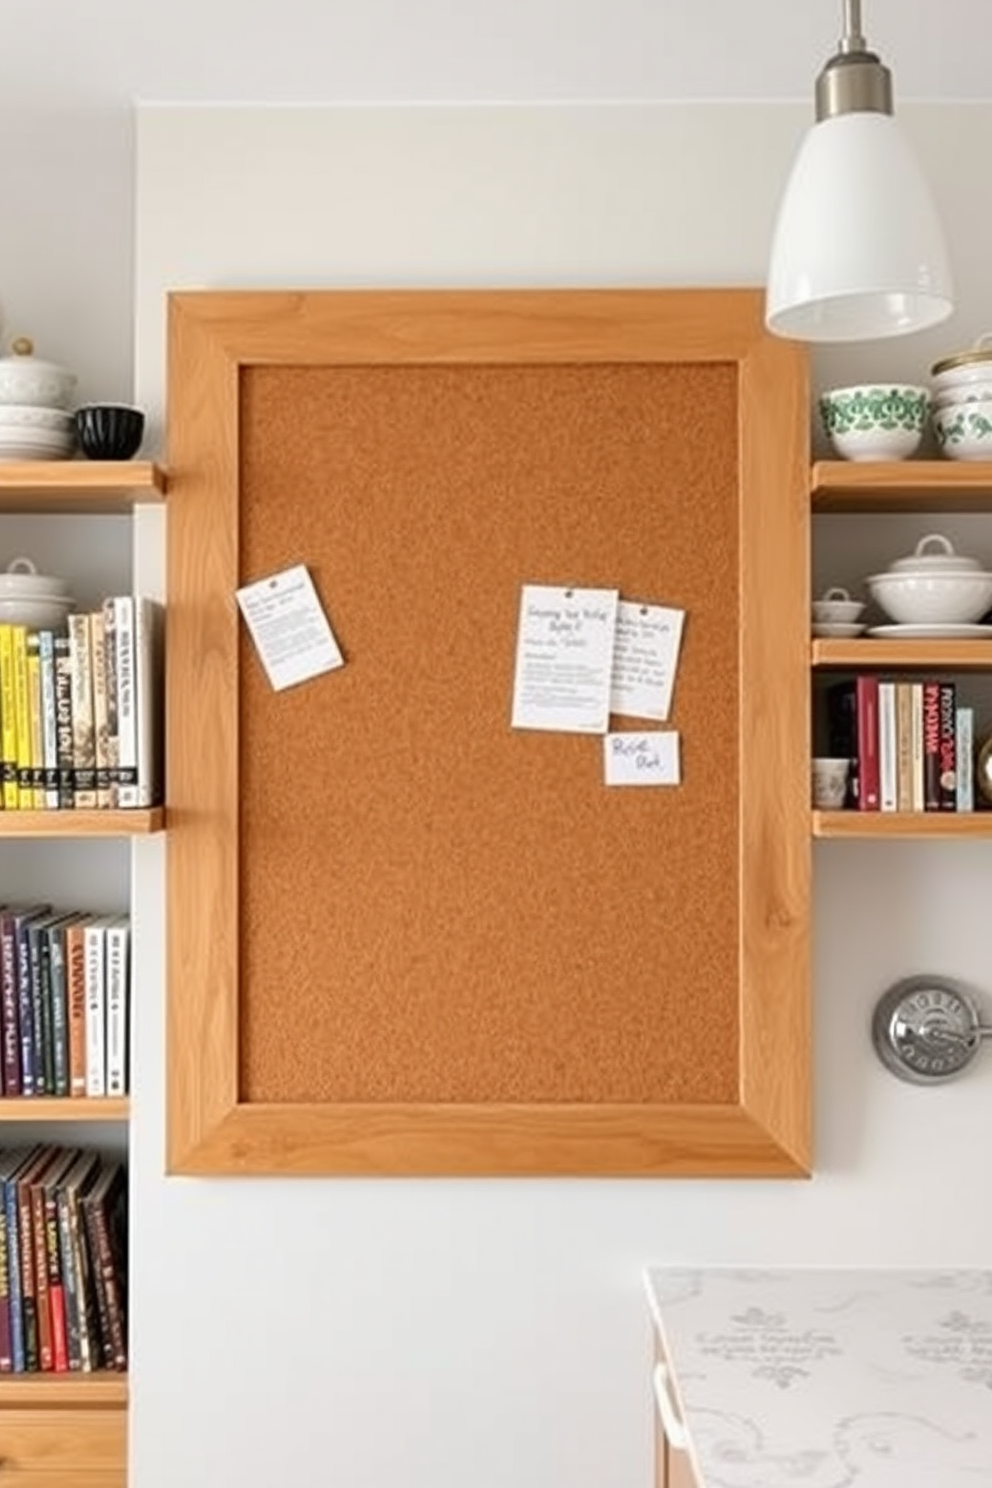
x=964, y=430
x=26, y=379
x=932, y=599
x=875, y=421
x=44, y=613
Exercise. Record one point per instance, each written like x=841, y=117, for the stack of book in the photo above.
x=80, y=713
x=64, y=1002
x=63, y=1261
x=910, y=742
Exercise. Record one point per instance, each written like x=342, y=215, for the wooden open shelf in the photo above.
x=87, y=487
x=102, y=1388
x=946, y=656
x=901, y=486
x=136, y=823
x=902, y=824
x=62, y=1108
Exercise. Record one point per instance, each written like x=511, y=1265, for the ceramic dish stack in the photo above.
x=35, y=422
x=961, y=411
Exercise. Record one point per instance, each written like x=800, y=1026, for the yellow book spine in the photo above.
x=37, y=775
x=8, y=720
x=22, y=713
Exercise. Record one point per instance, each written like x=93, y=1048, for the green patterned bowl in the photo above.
x=875, y=421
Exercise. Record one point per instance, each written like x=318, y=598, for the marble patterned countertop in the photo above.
x=829, y=1378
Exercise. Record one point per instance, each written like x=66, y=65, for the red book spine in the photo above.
x=948, y=747
x=869, y=773
x=931, y=746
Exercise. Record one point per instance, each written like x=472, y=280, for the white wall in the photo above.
x=492, y=1334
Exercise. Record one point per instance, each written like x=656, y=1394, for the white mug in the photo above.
x=830, y=783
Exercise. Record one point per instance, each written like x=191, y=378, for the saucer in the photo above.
x=933, y=632
x=836, y=631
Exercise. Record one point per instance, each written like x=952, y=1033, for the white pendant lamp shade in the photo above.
x=858, y=251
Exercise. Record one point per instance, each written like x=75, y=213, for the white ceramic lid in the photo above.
x=25, y=378
x=23, y=581
x=934, y=554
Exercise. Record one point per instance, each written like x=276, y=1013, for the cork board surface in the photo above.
x=435, y=907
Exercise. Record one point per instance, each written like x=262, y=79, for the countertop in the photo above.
x=823, y=1378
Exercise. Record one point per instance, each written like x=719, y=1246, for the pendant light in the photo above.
x=857, y=252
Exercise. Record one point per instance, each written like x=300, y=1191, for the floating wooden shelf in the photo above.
x=901, y=486
x=138, y=823
x=58, y=1108
x=896, y=655
x=87, y=487
x=101, y=1389
x=902, y=824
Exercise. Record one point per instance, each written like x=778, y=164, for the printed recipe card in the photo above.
x=564, y=659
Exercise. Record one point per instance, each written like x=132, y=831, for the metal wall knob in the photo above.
x=927, y=1029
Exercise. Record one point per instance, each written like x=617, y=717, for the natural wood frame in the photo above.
x=211, y=1130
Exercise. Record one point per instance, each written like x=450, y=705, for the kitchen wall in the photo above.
x=493, y=1334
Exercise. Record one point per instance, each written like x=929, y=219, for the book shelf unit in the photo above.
x=85, y=488
x=901, y=486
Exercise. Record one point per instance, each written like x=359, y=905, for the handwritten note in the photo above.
x=564, y=659
x=645, y=660
x=650, y=758
x=290, y=630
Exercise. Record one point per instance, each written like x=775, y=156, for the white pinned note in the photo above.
x=564, y=659
x=288, y=627
x=645, y=660
x=648, y=758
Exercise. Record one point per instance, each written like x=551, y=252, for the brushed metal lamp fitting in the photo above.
x=857, y=251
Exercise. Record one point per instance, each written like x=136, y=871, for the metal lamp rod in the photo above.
x=852, y=39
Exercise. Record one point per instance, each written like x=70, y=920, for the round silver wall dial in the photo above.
x=927, y=1029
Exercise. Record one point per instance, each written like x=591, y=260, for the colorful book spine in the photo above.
x=127, y=721
x=146, y=765
x=887, y=747
x=14, y=1275
x=117, y=977
x=904, y=746
x=83, y=736
x=112, y=746
x=964, y=724
x=94, y=961
x=947, y=792
x=869, y=785
x=931, y=746
x=8, y=720
x=59, y=1008
x=8, y=1003
x=101, y=748
x=22, y=714
x=63, y=724
x=32, y=647
x=917, y=722
x=46, y=652
x=25, y=1003
x=75, y=956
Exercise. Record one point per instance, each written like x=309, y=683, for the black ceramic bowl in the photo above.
x=109, y=431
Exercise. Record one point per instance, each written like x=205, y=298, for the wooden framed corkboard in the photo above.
x=402, y=937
